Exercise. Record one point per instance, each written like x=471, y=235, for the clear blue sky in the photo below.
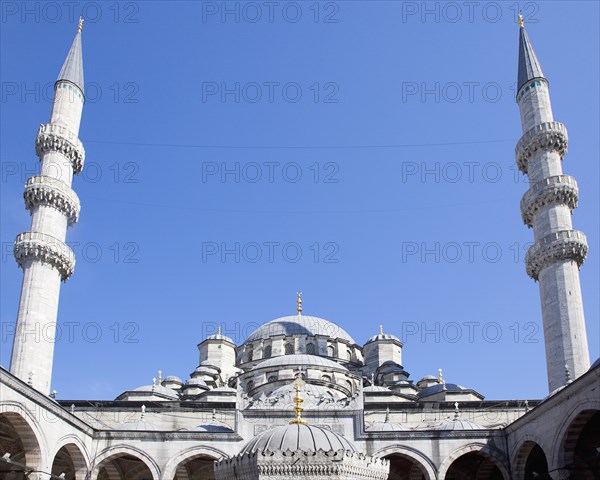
x=406, y=115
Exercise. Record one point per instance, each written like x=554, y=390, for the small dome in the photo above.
x=218, y=336
x=428, y=378
x=299, y=325
x=448, y=387
x=458, y=424
x=297, y=437
x=300, y=359
x=173, y=379
x=157, y=390
x=139, y=425
x=385, y=427
x=382, y=336
x=376, y=388
x=196, y=382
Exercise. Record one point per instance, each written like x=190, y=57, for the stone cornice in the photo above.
x=556, y=190
x=545, y=136
x=8, y=380
x=56, y=138
x=46, y=249
x=563, y=245
x=44, y=190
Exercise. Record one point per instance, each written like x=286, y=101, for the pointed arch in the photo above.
x=494, y=457
x=108, y=459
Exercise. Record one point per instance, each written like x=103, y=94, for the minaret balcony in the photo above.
x=558, y=246
x=46, y=249
x=555, y=190
x=546, y=136
x=44, y=190
x=56, y=138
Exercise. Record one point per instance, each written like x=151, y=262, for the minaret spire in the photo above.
x=72, y=69
x=42, y=252
x=529, y=65
x=559, y=250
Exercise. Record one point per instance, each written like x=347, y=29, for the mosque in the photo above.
x=300, y=397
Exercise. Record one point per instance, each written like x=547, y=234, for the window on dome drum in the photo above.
x=310, y=349
x=288, y=349
x=348, y=354
x=272, y=378
x=250, y=355
x=326, y=378
x=267, y=352
x=330, y=351
x=250, y=385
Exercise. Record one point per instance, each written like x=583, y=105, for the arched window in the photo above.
x=250, y=385
x=348, y=354
x=272, y=378
x=330, y=351
x=288, y=349
x=250, y=354
x=310, y=349
x=268, y=351
x=326, y=378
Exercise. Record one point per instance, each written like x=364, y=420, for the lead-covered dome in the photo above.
x=297, y=437
x=299, y=325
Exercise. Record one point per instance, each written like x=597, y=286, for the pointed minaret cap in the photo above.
x=72, y=69
x=529, y=66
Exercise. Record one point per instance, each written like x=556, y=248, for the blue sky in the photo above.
x=362, y=152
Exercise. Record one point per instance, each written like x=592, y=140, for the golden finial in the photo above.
x=80, y=26
x=299, y=303
x=219, y=330
x=521, y=23
x=298, y=400
x=440, y=378
x=380, y=329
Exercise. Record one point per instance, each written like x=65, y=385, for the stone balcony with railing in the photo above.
x=545, y=136
x=46, y=249
x=555, y=190
x=56, y=138
x=44, y=190
x=558, y=246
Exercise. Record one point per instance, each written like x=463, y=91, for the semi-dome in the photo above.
x=157, y=390
x=300, y=359
x=299, y=325
x=297, y=437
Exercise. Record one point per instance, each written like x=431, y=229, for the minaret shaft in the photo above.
x=547, y=206
x=41, y=252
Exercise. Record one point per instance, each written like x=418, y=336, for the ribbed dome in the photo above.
x=219, y=336
x=297, y=437
x=299, y=359
x=299, y=325
x=383, y=336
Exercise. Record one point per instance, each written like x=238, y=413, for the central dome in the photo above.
x=297, y=438
x=299, y=325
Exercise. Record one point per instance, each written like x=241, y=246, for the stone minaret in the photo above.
x=41, y=252
x=558, y=252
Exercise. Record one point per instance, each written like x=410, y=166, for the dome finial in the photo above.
x=440, y=377
x=299, y=303
x=456, y=411
x=298, y=400
x=80, y=26
x=521, y=22
x=380, y=329
x=219, y=330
